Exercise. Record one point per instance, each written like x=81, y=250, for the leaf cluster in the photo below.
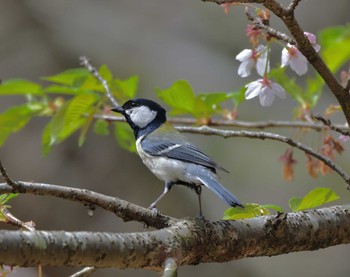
x=71, y=101
x=315, y=198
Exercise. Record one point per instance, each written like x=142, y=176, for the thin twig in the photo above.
x=220, y=2
x=14, y=221
x=293, y=4
x=236, y=123
x=85, y=272
x=264, y=135
x=4, y=174
x=328, y=123
x=84, y=61
x=259, y=24
x=170, y=268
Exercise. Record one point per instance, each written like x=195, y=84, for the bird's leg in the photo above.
x=198, y=190
x=167, y=188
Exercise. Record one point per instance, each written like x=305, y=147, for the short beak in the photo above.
x=118, y=109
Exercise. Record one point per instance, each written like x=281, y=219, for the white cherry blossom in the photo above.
x=252, y=57
x=295, y=59
x=292, y=56
x=312, y=38
x=266, y=89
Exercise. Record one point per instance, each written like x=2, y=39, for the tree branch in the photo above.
x=237, y=123
x=205, y=130
x=328, y=123
x=259, y=24
x=121, y=208
x=189, y=241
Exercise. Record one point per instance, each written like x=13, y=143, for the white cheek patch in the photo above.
x=141, y=116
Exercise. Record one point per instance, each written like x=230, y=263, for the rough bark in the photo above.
x=188, y=242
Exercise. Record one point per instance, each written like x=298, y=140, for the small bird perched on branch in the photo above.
x=168, y=153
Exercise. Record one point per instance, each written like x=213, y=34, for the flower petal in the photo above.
x=285, y=57
x=317, y=47
x=245, y=67
x=278, y=90
x=261, y=65
x=262, y=60
x=311, y=37
x=266, y=97
x=253, y=89
x=246, y=54
x=299, y=64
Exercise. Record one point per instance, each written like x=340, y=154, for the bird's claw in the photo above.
x=153, y=209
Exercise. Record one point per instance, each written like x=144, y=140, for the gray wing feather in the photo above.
x=179, y=151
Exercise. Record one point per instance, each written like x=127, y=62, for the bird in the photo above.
x=169, y=155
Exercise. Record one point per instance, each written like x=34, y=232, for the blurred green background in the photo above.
x=161, y=41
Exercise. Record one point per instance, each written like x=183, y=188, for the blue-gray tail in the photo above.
x=210, y=182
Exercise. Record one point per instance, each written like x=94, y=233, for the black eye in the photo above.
x=129, y=105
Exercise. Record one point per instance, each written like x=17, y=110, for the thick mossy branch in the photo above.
x=188, y=242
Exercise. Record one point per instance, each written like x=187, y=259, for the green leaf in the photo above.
x=53, y=135
x=314, y=90
x=68, y=77
x=210, y=102
x=14, y=119
x=19, y=86
x=101, y=127
x=125, y=88
x=105, y=73
x=46, y=140
x=179, y=96
x=314, y=198
x=79, y=106
x=273, y=207
x=294, y=203
x=69, y=118
x=125, y=136
x=85, y=128
x=250, y=210
x=63, y=90
x=52, y=131
x=214, y=98
x=2, y=219
x=4, y=198
x=90, y=83
x=335, y=48
x=289, y=84
x=239, y=96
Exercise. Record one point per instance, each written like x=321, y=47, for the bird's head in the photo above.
x=142, y=114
